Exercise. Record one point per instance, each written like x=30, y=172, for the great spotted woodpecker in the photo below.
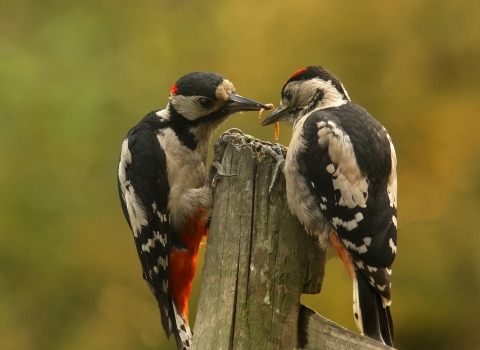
x=163, y=190
x=341, y=179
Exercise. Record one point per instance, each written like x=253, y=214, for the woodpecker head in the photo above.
x=203, y=98
x=308, y=89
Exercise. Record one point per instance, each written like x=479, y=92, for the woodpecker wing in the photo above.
x=350, y=167
x=144, y=189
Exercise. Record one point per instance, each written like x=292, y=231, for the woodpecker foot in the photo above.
x=216, y=169
x=276, y=152
x=231, y=131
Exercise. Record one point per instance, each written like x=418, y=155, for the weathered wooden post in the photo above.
x=258, y=262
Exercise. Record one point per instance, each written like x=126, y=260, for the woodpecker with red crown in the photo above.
x=341, y=180
x=163, y=191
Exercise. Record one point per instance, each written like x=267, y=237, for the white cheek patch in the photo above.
x=188, y=107
x=135, y=208
x=347, y=177
x=305, y=90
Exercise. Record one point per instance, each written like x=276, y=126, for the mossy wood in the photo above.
x=258, y=262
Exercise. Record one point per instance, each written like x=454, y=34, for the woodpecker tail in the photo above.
x=181, y=330
x=372, y=318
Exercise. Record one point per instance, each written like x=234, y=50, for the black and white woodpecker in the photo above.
x=341, y=179
x=163, y=191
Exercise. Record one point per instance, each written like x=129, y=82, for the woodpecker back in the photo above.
x=164, y=197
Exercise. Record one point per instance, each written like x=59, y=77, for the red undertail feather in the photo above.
x=183, y=263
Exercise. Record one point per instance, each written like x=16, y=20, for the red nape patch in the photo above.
x=300, y=71
x=174, y=89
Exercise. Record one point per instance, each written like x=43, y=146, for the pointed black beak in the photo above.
x=237, y=103
x=276, y=116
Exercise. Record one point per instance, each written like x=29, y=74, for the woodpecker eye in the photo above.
x=288, y=96
x=205, y=102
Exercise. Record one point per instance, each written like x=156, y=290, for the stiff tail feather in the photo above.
x=181, y=330
x=372, y=318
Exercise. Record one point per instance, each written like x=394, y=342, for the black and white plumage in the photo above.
x=163, y=191
x=341, y=180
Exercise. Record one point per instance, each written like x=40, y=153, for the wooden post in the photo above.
x=258, y=261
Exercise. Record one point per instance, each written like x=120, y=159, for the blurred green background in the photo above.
x=75, y=76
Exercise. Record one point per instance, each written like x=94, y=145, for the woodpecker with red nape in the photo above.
x=163, y=191
x=341, y=180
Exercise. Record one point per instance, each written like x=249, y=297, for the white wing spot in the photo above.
x=163, y=262
x=367, y=241
x=392, y=179
x=394, y=220
x=393, y=246
x=359, y=264
x=381, y=288
x=349, y=225
x=150, y=244
x=349, y=245
x=165, y=286
x=331, y=168
x=323, y=206
x=313, y=185
x=371, y=268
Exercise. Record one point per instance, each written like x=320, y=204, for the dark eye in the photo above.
x=205, y=102
x=288, y=95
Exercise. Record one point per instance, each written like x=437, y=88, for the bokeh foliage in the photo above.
x=76, y=75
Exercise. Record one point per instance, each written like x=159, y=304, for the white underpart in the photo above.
x=135, y=208
x=182, y=328
x=392, y=179
x=356, y=306
x=186, y=174
x=347, y=177
x=300, y=200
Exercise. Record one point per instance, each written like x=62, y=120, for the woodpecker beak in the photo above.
x=277, y=115
x=236, y=103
